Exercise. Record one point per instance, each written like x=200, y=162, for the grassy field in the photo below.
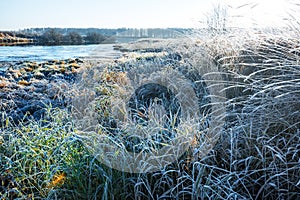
x=256, y=156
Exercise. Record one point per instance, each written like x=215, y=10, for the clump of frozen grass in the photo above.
x=258, y=154
x=45, y=159
x=113, y=89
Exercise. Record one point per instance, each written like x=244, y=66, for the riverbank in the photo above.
x=27, y=88
x=8, y=39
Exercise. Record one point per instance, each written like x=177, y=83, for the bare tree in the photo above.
x=94, y=38
x=73, y=38
x=51, y=37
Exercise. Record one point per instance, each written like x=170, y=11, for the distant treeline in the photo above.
x=81, y=31
x=77, y=36
x=130, y=32
x=53, y=37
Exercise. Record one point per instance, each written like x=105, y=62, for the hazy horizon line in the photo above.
x=193, y=28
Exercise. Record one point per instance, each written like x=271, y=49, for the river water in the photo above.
x=43, y=53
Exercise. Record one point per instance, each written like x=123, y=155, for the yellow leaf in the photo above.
x=57, y=179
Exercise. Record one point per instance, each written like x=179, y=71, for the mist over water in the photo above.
x=43, y=53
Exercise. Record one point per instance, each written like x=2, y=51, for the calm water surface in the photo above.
x=42, y=53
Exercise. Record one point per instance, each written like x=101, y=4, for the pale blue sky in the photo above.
x=19, y=14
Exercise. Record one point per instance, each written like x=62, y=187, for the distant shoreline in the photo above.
x=8, y=39
x=82, y=36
